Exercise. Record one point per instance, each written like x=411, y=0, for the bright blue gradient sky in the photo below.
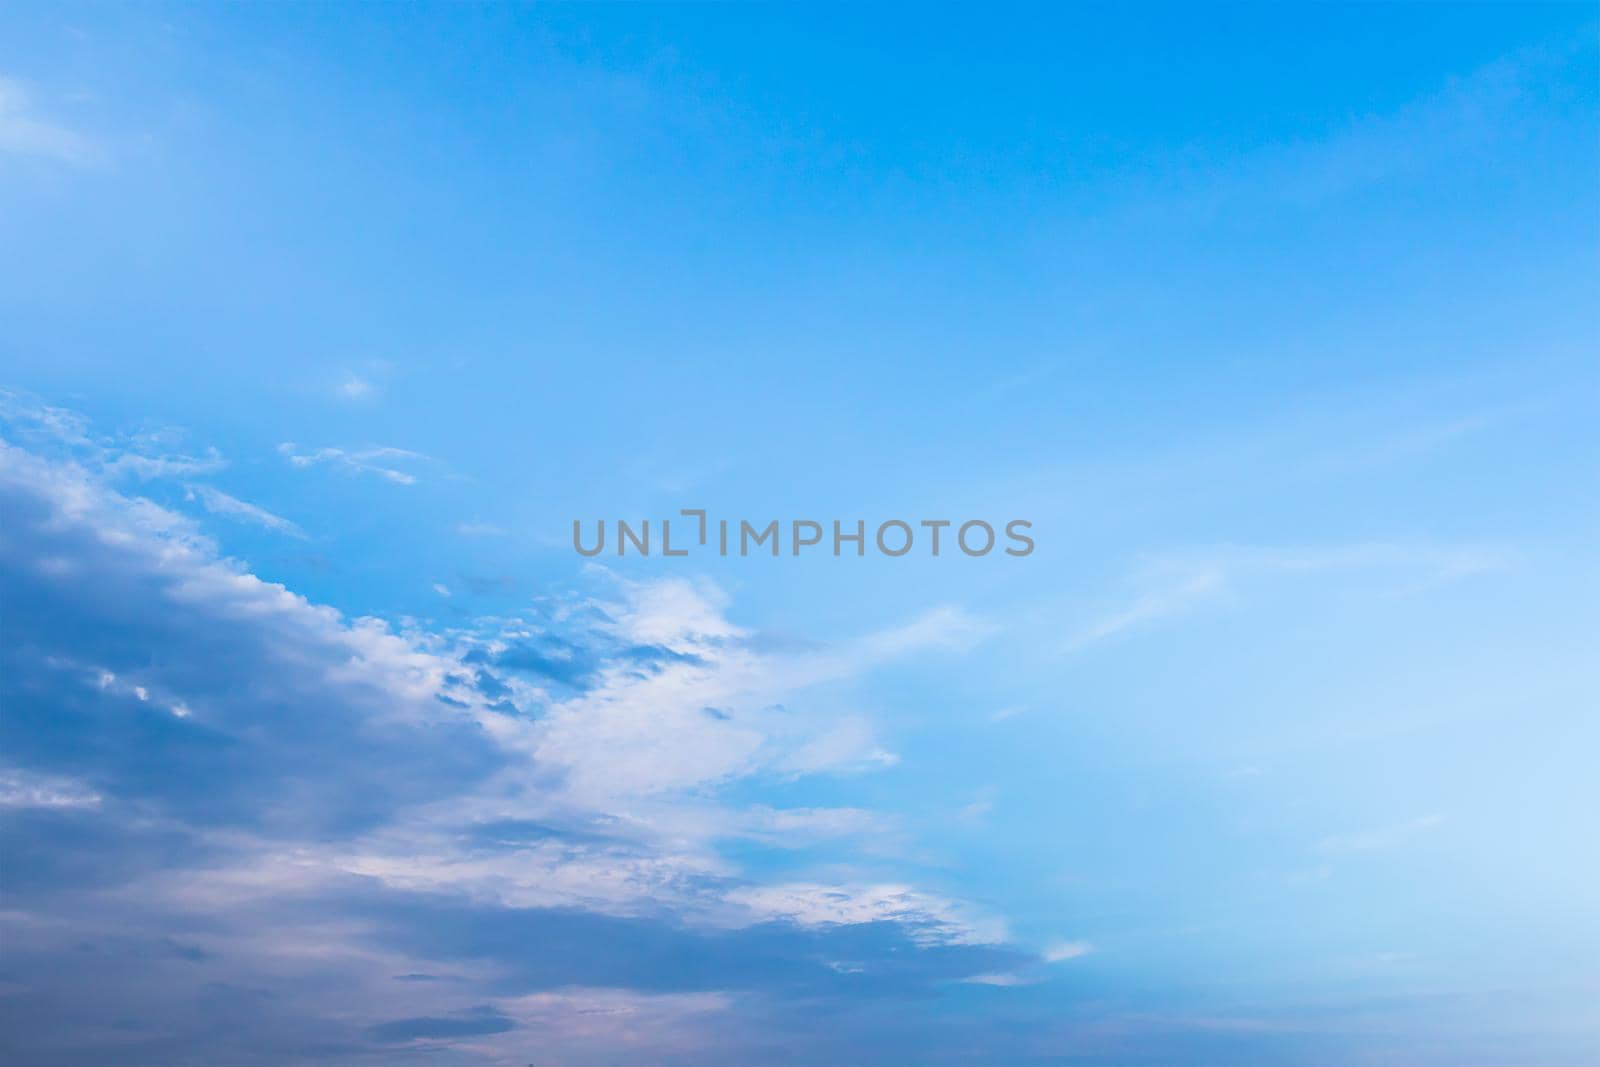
x=320, y=324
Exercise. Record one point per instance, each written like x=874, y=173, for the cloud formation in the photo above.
x=282, y=835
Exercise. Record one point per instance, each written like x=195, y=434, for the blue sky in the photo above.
x=319, y=326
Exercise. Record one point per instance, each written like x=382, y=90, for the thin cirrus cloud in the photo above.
x=382, y=462
x=191, y=748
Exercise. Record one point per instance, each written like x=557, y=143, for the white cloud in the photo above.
x=640, y=732
x=980, y=807
x=685, y=616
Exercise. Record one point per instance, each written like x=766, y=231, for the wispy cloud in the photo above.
x=1150, y=606
x=382, y=462
x=1177, y=583
x=934, y=920
x=946, y=627
x=361, y=384
x=149, y=467
x=1381, y=838
x=25, y=131
x=147, y=455
x=1453, y=125
x=22, y=789
x=354, y=387
x=1000, y=980
x=1063, y=951
x=230, y=507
